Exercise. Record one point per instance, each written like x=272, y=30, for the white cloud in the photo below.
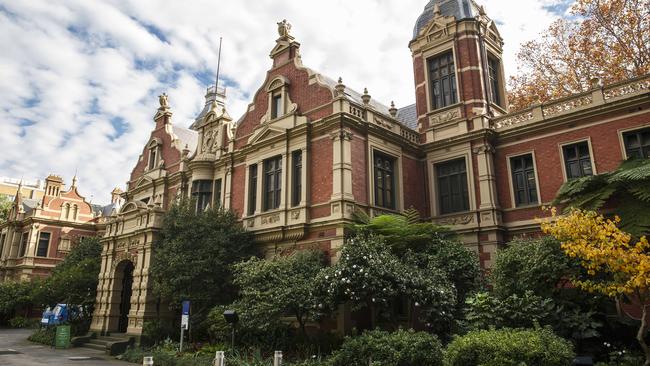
x=69, y=69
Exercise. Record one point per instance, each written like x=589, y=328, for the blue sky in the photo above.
x=79, y=79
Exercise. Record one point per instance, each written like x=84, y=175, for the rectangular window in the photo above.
x=23, y=244
x=152, y=158
x=637, y=143
x=577, y=160
x=43, y=244
x=2, y=243
x=272, y=183
x=442, y=79
x=493, y=75
x=252, y=189
x=202, y=194
x=217, y=193
x=296, y=173
x=276, y=106
x=384, y=169
x=523, y=180
x=452, y=186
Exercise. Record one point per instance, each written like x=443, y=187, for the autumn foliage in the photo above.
x=616, y=264
x=608, y=39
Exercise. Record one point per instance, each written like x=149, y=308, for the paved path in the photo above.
x=16, y=350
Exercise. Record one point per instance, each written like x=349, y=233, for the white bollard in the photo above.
x=219, y=359
x=277, y=358
x=147, y=361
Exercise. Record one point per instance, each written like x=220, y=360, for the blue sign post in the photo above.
x=185, y=320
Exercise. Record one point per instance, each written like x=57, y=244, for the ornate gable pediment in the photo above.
x=439, y=27
x=143, y=181
x=266, y=132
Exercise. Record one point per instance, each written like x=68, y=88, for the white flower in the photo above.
x=373, y=299
x=327, y=277
x=417, y=303
x=354, y=266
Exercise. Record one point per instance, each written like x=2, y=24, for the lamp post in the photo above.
x=231, y=318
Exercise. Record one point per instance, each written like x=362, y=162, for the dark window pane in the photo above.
x=442, y=80
x=452, y=186
x=577, y=160
x=252, y=189
x=637, y=143
x=272, y=183
x=384, y=180
x=523, y=180
x=276, y=106
x=202, y=193
x=297, y=178
x=43, y=245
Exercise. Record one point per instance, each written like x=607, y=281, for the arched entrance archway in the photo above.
x=124, y=279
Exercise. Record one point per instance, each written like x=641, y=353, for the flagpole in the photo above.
x=216, y=86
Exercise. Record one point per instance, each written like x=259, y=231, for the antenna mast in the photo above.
x=216, y=86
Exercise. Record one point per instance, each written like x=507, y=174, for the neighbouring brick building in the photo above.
x=309, y=151
x=39, y=232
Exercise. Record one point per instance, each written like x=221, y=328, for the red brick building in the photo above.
x=40, y=232
x=309, y=151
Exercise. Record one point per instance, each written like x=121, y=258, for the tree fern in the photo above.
x=626, y=190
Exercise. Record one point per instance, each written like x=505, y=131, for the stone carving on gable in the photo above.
x=210, y=141
x=163, y=100
x=444, y=117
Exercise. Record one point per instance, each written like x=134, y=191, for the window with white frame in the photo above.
x=384, y=180
x=524, y=183
x=272, y=192
x=637, y=143
x=43, y=244
x=577, y=160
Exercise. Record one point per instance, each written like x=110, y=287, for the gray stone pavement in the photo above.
x=16, y=350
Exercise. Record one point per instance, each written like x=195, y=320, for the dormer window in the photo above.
x=154, y=154
x=279, y=101
x=442, y=80
x=276, y=105
x=152, y=158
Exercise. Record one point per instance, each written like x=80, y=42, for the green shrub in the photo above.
x=22, y=322
x=485, y=311
x=44, y=336
x=507, y=347
x=538, y=265
x=400, y=348
x=155, y=331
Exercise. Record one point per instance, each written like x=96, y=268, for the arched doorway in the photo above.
x=125, y=269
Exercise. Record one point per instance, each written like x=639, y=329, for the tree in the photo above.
x=617, y=267
x=425, y=245
x=74, y=280
x=538, y=265
x=14, y=296
x=193, y=260
x=273, y=288
x=627, y=188
x=369, y=276
x=5, y=207
x=609, y=39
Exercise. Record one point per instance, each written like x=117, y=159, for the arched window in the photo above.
x=67, y=211
x=75, y=210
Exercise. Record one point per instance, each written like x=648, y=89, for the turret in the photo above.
x=457, y=62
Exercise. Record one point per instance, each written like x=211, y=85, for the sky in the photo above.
x=79, y=79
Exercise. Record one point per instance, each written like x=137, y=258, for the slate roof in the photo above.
x=188, y=137
x=408, y=116
x=458, y=8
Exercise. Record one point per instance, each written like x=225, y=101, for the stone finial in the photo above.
x=284, y=29
x=340, y=88
x=365, y=97
x=186, y=150
x=436, y=9
x=596, y=82
x=163, y=100
x=481, y=10
x=74, y=181
x=392, y=110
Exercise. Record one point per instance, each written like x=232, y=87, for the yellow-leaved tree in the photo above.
x=617, y=265
x=608, y=39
